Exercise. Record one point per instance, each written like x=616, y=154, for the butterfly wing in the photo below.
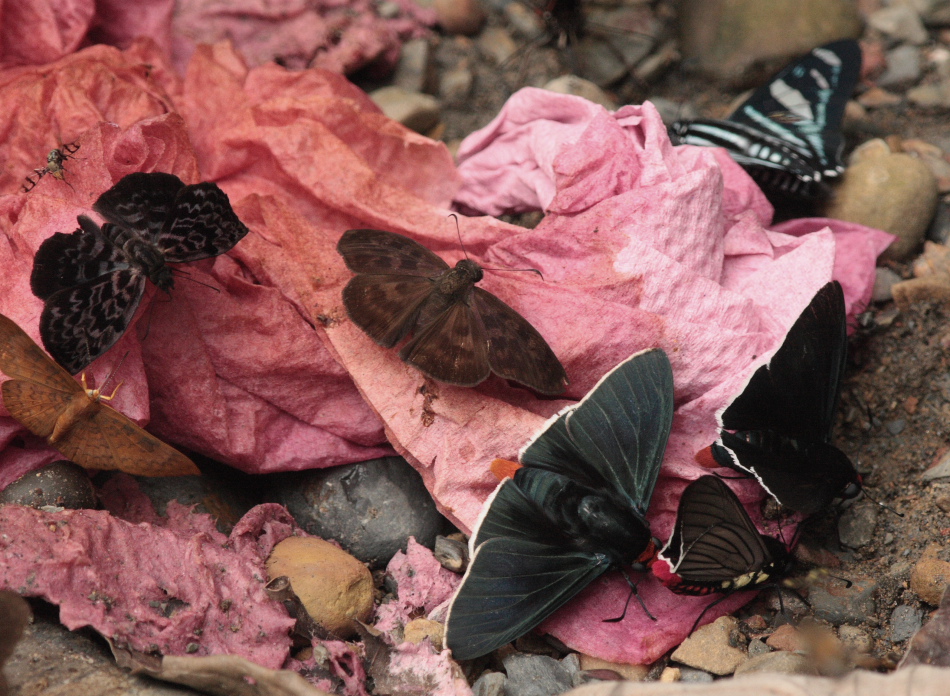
x=803, y=105
x=803, y=480
x=80, y=323
x=387, y=253
x=110, y=441
x=452, y=348
x=615, y=436
x=521, y=572
x=516, y=350
x=510, y=587
x=796, y=393
x=201, y=224
x=714, y=541
x=141, y=202
x=66, y=260
x=22, y=359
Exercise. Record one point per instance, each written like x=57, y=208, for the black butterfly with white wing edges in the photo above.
x=715, y=547
x=787, y=135
x=779, y=428
x=574, y=510
x=93, y=279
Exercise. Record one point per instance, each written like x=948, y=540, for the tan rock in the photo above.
x=891, y=191
x=418, y=630
x=334, y=587
x=929, y=578
x=671, y=674
x=784, y=662
x=855, y=638
x=628, y=672
x=708, y=648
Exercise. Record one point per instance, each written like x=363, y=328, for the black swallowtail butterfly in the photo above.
x=787, y=135
x=575, y=509
x=779, y=428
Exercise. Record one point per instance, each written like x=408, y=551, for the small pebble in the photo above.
x=58, y=484
x=412, y=72
x=905, y=622
x=708, y=648
x=572, y=84
x=418, y=630
x=370, y=508
x=416, y=111
x=903, y=66
x=900, y=22
x=489, y=684
x=884, y=280
x=497, y=44
x=856, y=525
x=896, y=427
x=628, y=672
x=837, y=604
x=695, y=676
x=452, y=554
x=333, y=586
x=757, y=647
x=670, y=675
x=929, y=578
x=785, y=638
x=782, y=662
x=931, y=95
x=460, y=16
x=536, y=675
x=855, y=638
x=455, y=84
x=939, y=470
x=876, y=98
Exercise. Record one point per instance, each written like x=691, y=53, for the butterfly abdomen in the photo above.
x=141, y=254
x=79, y=407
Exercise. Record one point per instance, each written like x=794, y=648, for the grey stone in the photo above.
x=489, y=684
x=856, y=526
x=61, y=484
x=884, y=280
x=900, y=22
x=780, y=661
x=905, y=622
x=758, y=647
x=455, y=84
x=671, y=111
x=371, y=508
x=416, y=111
x=412, y=72
x=896, y=427
x=224, y=497
x=696, y=676
x=930, y=95
x=452, y=554
x=939, y=229
x=52, y=661
x=837, y=604
x=903, y=66
x=940, y=470
x=536, y=675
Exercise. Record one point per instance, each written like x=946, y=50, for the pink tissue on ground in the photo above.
x=423, y=585
x=189, y=594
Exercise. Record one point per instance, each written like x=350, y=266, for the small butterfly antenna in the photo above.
x=633, y=593
x=886, y=507
x=458, y=231
x=709, y=606
x=112, y=374
x=185, y=275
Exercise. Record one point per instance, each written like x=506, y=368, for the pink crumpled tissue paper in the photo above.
x=643, y=245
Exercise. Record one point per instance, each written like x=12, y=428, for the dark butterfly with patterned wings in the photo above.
x=461, y=333
x=787, y=135
x=575, y=509
x=779, y=428
x=93, y=280
x=715, y=547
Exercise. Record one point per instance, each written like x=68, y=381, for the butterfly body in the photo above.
x=460, y=332
x=575, y=509
x=787, y=134
x=51, y=404
x=715, y=548
x=779, y=428
x=93, y=279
